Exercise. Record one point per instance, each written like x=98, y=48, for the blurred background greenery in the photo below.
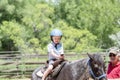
x=87, y=25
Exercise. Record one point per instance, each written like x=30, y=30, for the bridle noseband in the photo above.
x=93, y=75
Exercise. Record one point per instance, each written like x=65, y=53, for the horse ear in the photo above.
x=90, y=56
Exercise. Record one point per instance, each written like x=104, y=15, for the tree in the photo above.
x=99, y=17
x=35, y=24
x=76, y=40
x=12, y=35
x=25, y=25
x=116, y=39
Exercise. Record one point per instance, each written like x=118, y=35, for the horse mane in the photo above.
x=96, y=57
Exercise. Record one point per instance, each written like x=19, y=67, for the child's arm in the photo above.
x=61, y=56
x=51, y=51
x=55, y=55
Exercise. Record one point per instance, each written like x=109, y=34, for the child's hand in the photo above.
x=61, y=57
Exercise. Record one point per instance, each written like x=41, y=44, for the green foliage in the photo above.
x=25, y=24
x=116, y=39
x=99, y=17
x=77, y=40
x=31, y=31
x=12, y=32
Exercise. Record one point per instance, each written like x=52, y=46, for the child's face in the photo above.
x=56, y=39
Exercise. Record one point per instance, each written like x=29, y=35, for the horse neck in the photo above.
x=74, y=70
x=79, y=69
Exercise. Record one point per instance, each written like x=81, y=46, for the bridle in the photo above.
x=93, y=75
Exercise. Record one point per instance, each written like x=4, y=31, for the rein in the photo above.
x=93, y=75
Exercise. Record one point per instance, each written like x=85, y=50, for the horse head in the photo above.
x=96, y=67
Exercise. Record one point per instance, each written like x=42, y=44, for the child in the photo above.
x=55, y=51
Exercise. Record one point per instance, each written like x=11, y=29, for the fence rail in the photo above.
x=23, y=65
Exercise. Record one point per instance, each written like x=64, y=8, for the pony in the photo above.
x=84, y=69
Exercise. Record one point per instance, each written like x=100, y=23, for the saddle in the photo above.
x=58, y=65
